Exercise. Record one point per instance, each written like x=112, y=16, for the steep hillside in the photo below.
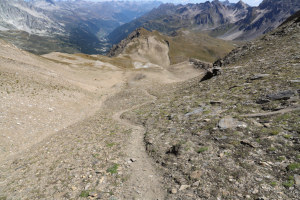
x=236, y=135
x=183, y=45
x=225, y=20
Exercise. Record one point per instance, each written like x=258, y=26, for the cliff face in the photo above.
x=19, y=15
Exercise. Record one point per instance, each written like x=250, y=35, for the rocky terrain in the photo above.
x=221, y=19
x=235, y=135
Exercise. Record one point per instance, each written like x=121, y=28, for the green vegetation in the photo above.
x=289, y=183
x=191, y=44
x=95, y=155
x=111, y=144
x=85, y=193
x=281, y=158
x=272, y=149
x=273, y=131
x=287, y=136
x=113, y=169
x=202, y=149
x=293, y=166
x=273, y=183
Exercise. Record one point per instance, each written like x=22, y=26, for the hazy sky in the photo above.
x=250, y=2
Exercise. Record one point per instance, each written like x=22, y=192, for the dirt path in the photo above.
x=145, y=182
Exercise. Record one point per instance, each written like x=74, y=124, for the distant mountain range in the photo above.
x=232, y=21
x=42, y=26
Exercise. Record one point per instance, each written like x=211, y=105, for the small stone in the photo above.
x=259, y=76
x=295, y=81
x=255, y=191
x=226, y=123
x=174, y=191
x=194, y=112
x=196, y=174
x=230, y=123
x=74, y=188
x=132, y=159
x=196, y=184
x=248, y=196
x=215, y=102
x=257, y=123
x=206, y=120
x=183, y=187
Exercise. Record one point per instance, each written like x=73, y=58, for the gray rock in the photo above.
x=259, y=76
x=230, y=123
x=198, y=64
x=196, y=111
x=297, y=179
x=211, y=73
x=283, y=95
x=183, y=187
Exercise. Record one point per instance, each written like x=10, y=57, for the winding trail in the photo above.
x=145, y=183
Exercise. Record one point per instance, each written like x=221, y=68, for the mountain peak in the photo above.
x=241, y=5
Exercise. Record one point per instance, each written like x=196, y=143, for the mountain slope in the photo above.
x=180, y=47
x=229, y=21
x=236, y=135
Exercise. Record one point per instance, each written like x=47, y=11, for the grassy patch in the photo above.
x=110, y=144
x=113, y=169
x=281, y=158
x=293, y=166
x=202, y=149
x=273, y=131
x=85, y=193
x=273, y=183
x=272, y=149
x=287, y=136
x=289, y=183
x=95, y=155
